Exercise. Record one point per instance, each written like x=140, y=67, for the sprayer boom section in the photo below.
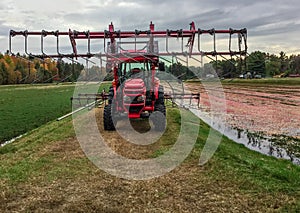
x=112, y=42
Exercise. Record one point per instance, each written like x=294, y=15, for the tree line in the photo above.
x=256, y=64
x=260, y=64
x=17, y=69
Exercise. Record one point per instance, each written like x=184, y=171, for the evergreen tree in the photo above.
x=256, y=63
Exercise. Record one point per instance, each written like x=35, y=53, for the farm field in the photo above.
x=259, y=107
x=264, y=108
x=26, y=107
x=46, y=171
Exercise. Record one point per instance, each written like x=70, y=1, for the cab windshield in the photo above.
x=126, y=70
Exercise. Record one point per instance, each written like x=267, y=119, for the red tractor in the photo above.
x=135, y=90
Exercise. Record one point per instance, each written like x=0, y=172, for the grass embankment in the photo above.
x=47, y=171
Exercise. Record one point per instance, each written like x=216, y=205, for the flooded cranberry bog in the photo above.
x=47, y=171
x=263, y=115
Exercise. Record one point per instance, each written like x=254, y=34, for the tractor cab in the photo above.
x=134, y=68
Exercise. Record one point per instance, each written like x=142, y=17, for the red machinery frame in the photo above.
x=192, y=34
x=111, y=37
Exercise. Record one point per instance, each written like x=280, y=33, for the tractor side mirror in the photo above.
x=161, y=66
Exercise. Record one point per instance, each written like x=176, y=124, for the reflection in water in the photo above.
x=284, y=147
x=278, y=146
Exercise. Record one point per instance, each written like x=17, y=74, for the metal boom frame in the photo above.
x=112, y=40
x=193, y=35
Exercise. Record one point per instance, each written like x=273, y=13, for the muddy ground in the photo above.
x=269, y=109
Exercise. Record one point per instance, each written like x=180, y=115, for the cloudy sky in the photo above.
x=273, y=25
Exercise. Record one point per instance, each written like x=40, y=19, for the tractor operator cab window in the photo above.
x=133, y=69
x=136, y=73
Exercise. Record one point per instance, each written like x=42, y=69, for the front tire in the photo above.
x=107, y=118
x=161, y=99
x=159, y=117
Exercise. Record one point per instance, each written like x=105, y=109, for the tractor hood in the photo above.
x=134, y=92
x=135, y=87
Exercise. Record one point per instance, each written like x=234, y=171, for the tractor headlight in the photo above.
x=126, y=99
x=140, y=99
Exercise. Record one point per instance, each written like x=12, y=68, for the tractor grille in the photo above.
x=135, y=110
x=133, y=93
x=134, y=88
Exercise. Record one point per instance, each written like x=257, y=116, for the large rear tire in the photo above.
x=107, y=118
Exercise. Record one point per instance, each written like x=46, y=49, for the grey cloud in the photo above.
x=4, y=30
x=262, y=18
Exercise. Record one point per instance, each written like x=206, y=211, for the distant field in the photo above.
x=269, y=81
x=26, y=107
x=278, y=81
x=23, y=108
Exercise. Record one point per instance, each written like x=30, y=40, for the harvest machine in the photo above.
x=135, y=58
